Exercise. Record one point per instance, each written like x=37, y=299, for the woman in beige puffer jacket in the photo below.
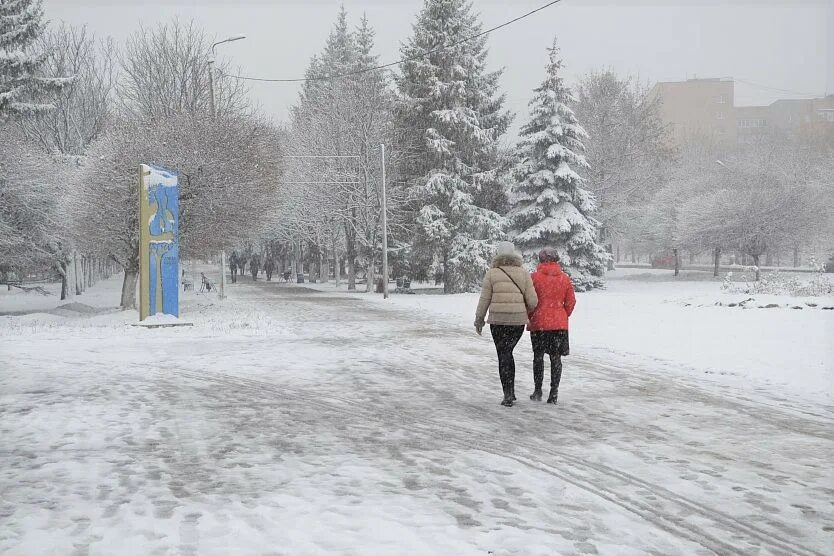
x=509, y=295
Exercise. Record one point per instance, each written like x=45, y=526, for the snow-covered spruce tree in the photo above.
x=21, y=23
x=550, y=208
x=451, y=108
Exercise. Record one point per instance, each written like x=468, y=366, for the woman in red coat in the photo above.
x=548, y=324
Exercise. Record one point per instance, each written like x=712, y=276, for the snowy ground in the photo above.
x=649, y=318
x=291, y=421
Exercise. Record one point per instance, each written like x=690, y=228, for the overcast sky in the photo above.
x=786, y=44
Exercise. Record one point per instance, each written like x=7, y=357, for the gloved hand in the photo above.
x=479, y=326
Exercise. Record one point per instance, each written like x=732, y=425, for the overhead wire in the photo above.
x=401, y=60
x=457, y=43
x=773, y=89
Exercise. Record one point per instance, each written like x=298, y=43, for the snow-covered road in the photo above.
x=290, y=421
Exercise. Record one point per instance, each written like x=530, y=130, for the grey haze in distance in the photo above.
x=785, y=45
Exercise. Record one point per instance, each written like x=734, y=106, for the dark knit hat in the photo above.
x=548, y=255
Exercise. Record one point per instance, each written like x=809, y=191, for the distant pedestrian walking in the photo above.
x=255, y=266
x=549, y=322
x=233, y=266
x=269, y=268
x=509, y=295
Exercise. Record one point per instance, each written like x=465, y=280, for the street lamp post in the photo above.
x=211, y=69
x=384, y=230
x=222, y=291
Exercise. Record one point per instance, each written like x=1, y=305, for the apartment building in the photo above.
x=697, y=108
x=751, y=121
x=705, y=109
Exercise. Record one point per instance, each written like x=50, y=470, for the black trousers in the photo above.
x=554, y=343
x=506, y=337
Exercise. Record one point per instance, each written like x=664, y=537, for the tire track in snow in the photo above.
x=575, y=472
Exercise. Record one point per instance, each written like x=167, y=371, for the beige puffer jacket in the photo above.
x=507, y=303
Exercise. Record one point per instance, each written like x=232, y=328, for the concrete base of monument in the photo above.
x=162, y=321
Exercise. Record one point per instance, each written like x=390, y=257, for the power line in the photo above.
x=400, y=61
x=775, y=89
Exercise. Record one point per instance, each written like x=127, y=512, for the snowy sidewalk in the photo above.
x=288, y=421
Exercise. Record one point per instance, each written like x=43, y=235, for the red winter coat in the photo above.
x=556, y=298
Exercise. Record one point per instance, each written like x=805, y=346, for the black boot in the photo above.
x=505, y=387
x=538, y=376
x=555, y=377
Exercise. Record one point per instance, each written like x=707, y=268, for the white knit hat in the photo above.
x=505, y=248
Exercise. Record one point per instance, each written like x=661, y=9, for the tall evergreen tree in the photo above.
x=451, y=108
x=21, y=22
x=550, y=207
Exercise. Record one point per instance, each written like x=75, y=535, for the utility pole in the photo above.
x=222, y=290
x=384, y=230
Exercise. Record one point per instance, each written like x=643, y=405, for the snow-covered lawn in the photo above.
x=104, y=295
x=290, y=421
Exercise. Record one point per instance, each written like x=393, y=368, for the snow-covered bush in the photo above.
x=777, y=283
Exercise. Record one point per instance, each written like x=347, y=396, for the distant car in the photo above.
x=663, y=262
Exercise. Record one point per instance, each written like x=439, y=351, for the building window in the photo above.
x=826, y=115
x=719, y=115
x=746, y=123
x=722, y=99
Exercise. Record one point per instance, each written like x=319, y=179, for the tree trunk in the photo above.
x=78, y=276
x=63, y=270
x=691, y=258
x=447, y=282
x=717, y=257
x=324, y=267
x=336, y=264
x=85, y=263
x=796, y=257
x=768, y=259
x=129, y=285
x=677, y=261
x=371, y=272
x=351, y=267
x=618, y=253
x=756, y=264
x=633, y=256
x=350, y=245
x=610, y=249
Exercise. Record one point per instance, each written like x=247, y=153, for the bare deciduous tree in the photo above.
x=335, y=118
x=80, y=109
x=166, y=72
x=626, y=148
x=32, y=231
x=227, y=174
